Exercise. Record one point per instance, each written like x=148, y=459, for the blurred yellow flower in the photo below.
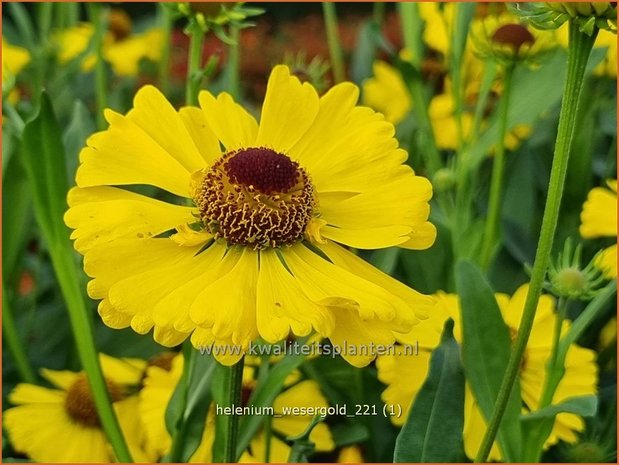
x=405, y=374
x=599, y=219
x=350, y=454
x=266, y=215
x=121, y=49
x=386, y=92
x=159, y=386
x=14, y=59
x=61, y=424
x=504, y=39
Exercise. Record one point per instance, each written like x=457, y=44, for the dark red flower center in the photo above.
x=515, y=35
x=264, y=169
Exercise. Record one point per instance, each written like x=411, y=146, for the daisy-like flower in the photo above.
x=122, y=49
x=254, y=249
x=504, y=39
x=405, y=374
x=599, y=219
x=61, y=424
x=159, y=386
x=386, y=92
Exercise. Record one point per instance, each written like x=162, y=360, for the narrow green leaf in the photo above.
x=44, y=160
x=363, y=56
x=437, y=416
x=16, y=217
x=584, y=406
x=303, y=447
x=485, y=352
x=187, y=410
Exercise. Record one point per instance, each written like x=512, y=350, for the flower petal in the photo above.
x=230, y=122
x=202, y=135
x=279, y=298
x=289, y=110
x=100, y=215
x=124, y=154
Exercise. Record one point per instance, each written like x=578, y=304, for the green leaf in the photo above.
x=16, y=217
x=263, y=396
x=584, y=406
x=80, y=127
x=433, y=430
x=189, y=405
x=303, y=447
x=485, y=352
x=43, y=155
x=364, y=53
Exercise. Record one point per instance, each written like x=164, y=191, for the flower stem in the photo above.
x=496, y=183
x=335, y=50
x=234, y=60
x=411, y=30
x=165, y=14
x=233, y=394
x=378, y=12
x=14, y=342
x=196, y=37
x=579, y=49
x=99, y=21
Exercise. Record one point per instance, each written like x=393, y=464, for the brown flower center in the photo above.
x=80, y=404
x=119, y=24
x=514, y=35
x=256, y=197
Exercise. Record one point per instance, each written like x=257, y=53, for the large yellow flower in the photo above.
x=252, y=251
x=122, y=49
x=599, y=219
x=405, y=374
x=61, y=424
x=159, y=386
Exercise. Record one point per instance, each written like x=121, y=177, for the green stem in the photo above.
x=411, y=30
x=14, y=343
x=554, y=363
x=268, y=433
x=233, y=397
x=178, y=440
x=496, y=184
x=579, y=50
x=490, y=70
x=335, y=50
x=234, y=63
x=196, y=38
x=378, y=13
x=165, y=14
x=98, y=19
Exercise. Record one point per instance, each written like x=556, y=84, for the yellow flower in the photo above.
x=504, y=39
x=61, y=424
x=14, y=59
x=266, y=215
x=121, y=49
x=405, y=374
x=159, y=386
x=599, y=219
x=350, y=454
x=386, y=92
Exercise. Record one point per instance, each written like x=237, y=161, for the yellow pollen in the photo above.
x=256, y=197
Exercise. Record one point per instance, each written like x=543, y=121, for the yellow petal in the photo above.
x=386, y=92
x=279, y=298
x=202, y=135
x=228, y=305
x=599, y=214
x=607, y=262
x=289, y=109
x=122, y=370
x=124, y=154
x=331, y=285
x=30, y=394
x=156, y=117
x=100, y=215
x=230, y=122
